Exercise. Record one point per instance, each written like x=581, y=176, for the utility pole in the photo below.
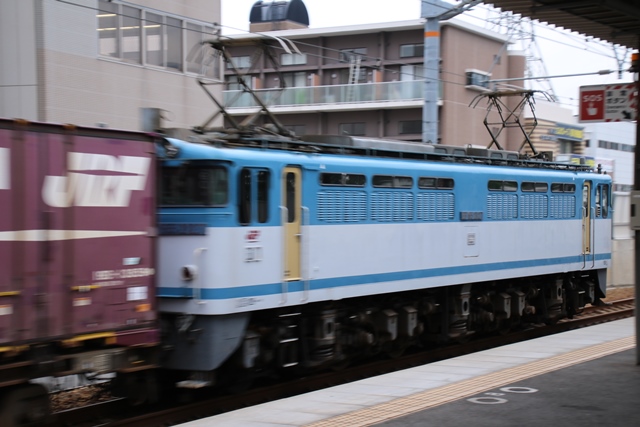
x=635, y=69
x=435, y=11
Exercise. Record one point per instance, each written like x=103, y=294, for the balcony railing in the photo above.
x=329, y=95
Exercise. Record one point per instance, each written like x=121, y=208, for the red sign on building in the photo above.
x=608, y=103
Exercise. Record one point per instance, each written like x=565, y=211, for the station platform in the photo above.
x=585, y=377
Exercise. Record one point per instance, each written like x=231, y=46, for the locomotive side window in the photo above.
x=343, y=179
x=427, y=183
x=559, y=187
x=536, y=187
x=388, y=181
x=503, y=186
x=193, y=185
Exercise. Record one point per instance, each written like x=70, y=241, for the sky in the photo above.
x=561, y=52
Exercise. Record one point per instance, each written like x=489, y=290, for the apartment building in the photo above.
x=368, y=80
x=99, y=62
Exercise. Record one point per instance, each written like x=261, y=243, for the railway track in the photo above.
x=104, y=414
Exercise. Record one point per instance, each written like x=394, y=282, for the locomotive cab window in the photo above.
x=605, y=201
x=602, y=201
x=253, y=196
x=193, y=184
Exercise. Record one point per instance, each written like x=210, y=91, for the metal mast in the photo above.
x=521, y=29
x=435, y=11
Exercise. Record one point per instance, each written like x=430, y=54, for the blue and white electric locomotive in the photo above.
x=275, y=253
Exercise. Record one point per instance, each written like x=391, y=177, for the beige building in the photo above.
x=98, y=62
x=368, y=80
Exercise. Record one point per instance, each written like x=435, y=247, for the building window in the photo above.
x=565, y=147
x=234, y=84
x=131, y=38
x=200, y=57
x=410, y=127
x=411, y=50
x=298, y=79
x=121, y=30
x=293, y=59
x=240, y=62
x=348, y=76
x=348, y=55
x=164, y=41
x=477, y=79
x=411, y=72
x=108, y=25
x=355, y=129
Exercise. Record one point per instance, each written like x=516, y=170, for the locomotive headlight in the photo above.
x=189, y=273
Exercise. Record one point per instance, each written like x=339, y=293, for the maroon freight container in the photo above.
x=77, y=221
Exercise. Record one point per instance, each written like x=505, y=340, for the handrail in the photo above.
x=328, y=94
x=593, y=238
x=197, y=284
x=304, y=244
x=584, y=242
x=285, y=285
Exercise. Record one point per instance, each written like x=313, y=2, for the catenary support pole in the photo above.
x=636, y=187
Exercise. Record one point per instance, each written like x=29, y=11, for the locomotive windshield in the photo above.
x=193, y=185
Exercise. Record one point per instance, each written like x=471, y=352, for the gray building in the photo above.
x=98, y=62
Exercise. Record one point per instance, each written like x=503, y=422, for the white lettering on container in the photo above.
x=137, y=293
x=96, y=180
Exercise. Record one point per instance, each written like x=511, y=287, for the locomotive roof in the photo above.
x=383, y=148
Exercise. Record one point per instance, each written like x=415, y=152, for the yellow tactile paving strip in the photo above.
x=434, y=397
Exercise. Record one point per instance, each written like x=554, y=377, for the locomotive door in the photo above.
x=292, y=221
x=586, y=218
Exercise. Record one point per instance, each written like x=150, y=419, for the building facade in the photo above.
x=368, y=80
x=99, y=62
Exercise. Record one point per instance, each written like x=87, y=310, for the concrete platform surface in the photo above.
x=585, y=377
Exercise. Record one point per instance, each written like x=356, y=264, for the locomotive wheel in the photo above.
x=24, y=405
